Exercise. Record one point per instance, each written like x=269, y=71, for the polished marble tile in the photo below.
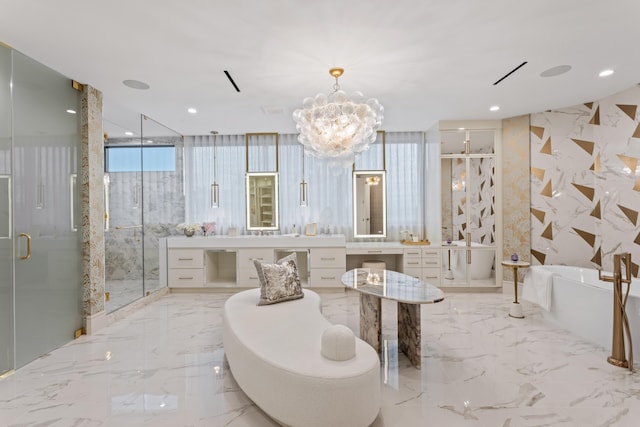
x=164, y=365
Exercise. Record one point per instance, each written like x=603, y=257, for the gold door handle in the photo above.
x=28, y=255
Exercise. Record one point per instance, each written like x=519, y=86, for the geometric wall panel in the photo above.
x=596, y=165
x=637, y=241
x=548, y=232
x=546, y=148
x=629, y=110
x=537, y=131
x=636, y=134
x=630, y=213
x=631, y=162
x=587, y=191
x=595, y=120
x=538, y=214
x=637, y=186
x=539, y=256
x=538, y=173
x=589, y=105
x=590, y=238
x=546, y=191
x=596, y=211
x=597, y=258
x=585, y=145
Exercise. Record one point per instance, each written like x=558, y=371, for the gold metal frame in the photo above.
x=246, y=146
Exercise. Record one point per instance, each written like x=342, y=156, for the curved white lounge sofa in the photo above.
x=274, y=352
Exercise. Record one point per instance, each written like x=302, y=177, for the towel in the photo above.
x=537, y=286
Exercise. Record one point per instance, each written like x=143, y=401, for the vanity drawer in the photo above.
x=411, y=262
x=431, y=275
x=412, y=253
x=428, y=262
x=328, y=258
x=430, y=252
x=247, y=273
x=186, y=277
x=326, y=277
x=185, y=258
x=413, y=272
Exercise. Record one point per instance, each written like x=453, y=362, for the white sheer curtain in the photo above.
x=329, y=189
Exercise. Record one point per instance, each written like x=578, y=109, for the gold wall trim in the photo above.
x=595, y=120
x=546, y=148
x=548, y=232
x=588, y=192
x=547, y=190
x=629, y=110
x=590, y=238
x=596, y=211
x=630, y=213
x=538, y=214
x=537, y=131
x=587, y=146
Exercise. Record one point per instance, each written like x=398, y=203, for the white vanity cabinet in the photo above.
x=326, y=266
x=422, y=263
x=185, y=268
x=247, y=273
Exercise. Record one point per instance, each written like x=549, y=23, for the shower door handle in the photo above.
x=28, y=255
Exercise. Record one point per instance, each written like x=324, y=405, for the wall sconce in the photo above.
x=215, y=195
x=303, y=186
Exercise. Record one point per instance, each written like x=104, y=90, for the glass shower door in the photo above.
x=47, y=254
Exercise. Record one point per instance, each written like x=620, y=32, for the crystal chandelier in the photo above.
x=338, y=127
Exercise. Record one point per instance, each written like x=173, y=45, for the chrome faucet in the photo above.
x=620, y=320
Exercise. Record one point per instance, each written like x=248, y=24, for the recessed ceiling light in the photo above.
x=136, y=84
x=605, y=73
x=494, y=108
x=128, y=133
x=555, y=71
x=192, y=110
x=71, y=111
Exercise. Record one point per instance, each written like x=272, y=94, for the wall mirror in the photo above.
x=262, y=201
x=369, y=204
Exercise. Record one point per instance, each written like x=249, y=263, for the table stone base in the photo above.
x=409, y=332
x=371, y=320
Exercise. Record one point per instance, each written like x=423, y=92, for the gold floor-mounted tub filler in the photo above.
x=620, y=320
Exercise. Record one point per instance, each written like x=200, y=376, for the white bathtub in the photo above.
x=481, y=260
x=583, y=305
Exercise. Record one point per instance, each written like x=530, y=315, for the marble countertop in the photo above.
x=392, y=285
x=272, y=241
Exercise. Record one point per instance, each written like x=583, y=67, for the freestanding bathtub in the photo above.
x=481, y=260
x=583, y=305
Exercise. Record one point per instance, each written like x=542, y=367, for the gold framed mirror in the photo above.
x=369, y=204
x=262, y=201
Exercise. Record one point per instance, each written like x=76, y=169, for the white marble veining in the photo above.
x=164, y=366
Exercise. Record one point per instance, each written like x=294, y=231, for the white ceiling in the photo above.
x=424, y=60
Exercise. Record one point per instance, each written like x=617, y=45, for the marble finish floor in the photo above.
x=124, y=292
x=164, y=365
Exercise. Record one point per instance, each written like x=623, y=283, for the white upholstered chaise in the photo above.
x=274, y=352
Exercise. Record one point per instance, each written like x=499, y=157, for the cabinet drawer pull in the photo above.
x=412, y=263
x=413, y=253
x=328, y=278
x=431, y=253
x=374, y=252
x=328, y=259
x=185, y=259
x=431, y=277
x=258, y=259
x=431, y=262
x=253, y=277
x=185, y=278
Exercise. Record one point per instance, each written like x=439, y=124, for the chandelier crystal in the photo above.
x=337, y=127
